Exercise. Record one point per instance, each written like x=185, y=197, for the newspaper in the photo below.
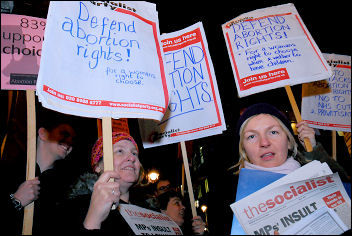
x=281, y=207
x=322, y=222
x=147, y=222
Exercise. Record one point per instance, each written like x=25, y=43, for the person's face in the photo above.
x=176, y=210
x=126, y=161
x=162, y=186
x=265, y=142
x=59, y=140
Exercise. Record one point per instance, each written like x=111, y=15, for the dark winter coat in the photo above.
x=53, y=185
x=73, y=212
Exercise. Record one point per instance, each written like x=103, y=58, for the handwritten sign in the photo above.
x=21, y=49
x=195, y=108
x=103, y=59
x=271, y=48
x=326, y=104
x=146, y=222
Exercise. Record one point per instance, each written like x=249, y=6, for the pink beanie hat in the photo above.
x=97, y=151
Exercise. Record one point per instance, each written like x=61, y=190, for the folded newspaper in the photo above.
x=286, y=202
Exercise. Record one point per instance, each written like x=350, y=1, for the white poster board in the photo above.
x=195, y=109
x=326, y=104
x=21, y=48
x=147, y=222
x=103, y=60
x=271, y=48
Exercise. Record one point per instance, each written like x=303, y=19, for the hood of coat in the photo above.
x=84, y=185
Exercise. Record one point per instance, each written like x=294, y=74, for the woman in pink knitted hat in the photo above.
x=126, y=173
x=93, y=196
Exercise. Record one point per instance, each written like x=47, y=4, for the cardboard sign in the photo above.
x=103, y=60
x=326, y=104
x=195, y=108
x=271, y=48
x=21, y=49
x=146, y=222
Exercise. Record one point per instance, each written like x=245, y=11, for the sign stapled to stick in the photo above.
x=271, y=48
x=195, y=109
x=326, y=104
x=102, y=60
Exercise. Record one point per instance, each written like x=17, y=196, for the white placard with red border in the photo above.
x=271, y=48
x=147, y=222
x=195, y=109
x=326, y=104
x=21, y=48
x=103, y=59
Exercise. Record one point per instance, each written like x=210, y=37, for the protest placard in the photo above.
x=271, y=48
x=103, y=60
x=147, y=222
x=326, y=104
x=195, y=109
x=21, y=48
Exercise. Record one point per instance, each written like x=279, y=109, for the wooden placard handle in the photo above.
x=31, y=159
x=334, y=150
x=107, y=148
x=183, y=180
x=188, y=178
x=297, y=114
x=107, y=144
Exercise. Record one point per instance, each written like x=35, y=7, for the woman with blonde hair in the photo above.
x=266, y=142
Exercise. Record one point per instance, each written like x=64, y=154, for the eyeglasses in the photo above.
x=162, y=188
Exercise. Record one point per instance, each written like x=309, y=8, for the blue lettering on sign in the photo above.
x=256, y=32
x=129, y=77
x=101, y=38
x=263, y=42
x=190, y=90
x=266, y=57
x=337, y=103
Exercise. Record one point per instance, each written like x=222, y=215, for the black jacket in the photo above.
x=54, y=183
x=72, y=212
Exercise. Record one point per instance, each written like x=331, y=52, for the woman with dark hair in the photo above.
x=171, y=205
